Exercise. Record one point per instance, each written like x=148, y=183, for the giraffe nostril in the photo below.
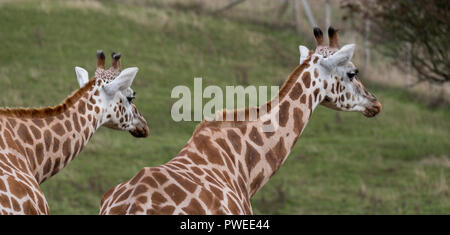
x=378, y=106
x=373, y=110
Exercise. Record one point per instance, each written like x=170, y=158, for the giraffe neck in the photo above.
x=71, y=131
x=50, y=143
x=267, y=151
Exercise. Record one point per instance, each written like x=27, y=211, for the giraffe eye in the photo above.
x=131, y=98
x=352, y=74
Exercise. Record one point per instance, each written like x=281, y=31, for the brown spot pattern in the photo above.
x=235, y=140
x=255, y=137
x=175, y=193
x=306, y=78
x=205, y=146
x=251, y=157
x=296, y=91
x=284, y=113
x=298, y=121
x=58, y=129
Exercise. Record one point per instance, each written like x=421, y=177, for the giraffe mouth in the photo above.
x=373, y=110
x=140, y=132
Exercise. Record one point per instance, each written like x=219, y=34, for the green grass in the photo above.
x=398, y=162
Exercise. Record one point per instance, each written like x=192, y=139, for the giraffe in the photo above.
x=225, y=163
x=35, y=144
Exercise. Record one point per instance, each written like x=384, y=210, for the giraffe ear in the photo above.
x=304, y=52
x=339, y=58
x=82, y=76
x=122, y=81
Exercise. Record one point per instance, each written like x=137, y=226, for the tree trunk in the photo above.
x=366, y=44
x=229, y=6
x=308, y=13
x=408, y=63
x=297, y=16
x=327, y=14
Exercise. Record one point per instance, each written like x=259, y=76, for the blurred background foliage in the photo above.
x=413, y=33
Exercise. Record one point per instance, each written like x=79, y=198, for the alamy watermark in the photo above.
x=190, y=107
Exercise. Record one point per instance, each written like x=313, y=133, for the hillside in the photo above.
x=398, y=162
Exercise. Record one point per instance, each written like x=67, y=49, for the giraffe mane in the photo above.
x=287, y=86
x=49, y=111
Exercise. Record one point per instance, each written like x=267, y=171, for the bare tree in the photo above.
x=366, y=43
x=297, y=18
x=283, y=8
x=229, y=6
x=327, y=14
x=308, y=13
x=422, y=25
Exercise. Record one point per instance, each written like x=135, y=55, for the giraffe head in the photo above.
x=337, y=75
x=114, y=96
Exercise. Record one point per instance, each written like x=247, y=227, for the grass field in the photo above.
x=398, y=162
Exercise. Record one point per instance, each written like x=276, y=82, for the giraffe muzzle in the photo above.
x=373, y=110
x=141, y=130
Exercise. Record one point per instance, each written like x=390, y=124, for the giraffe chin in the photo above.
x=373, y=111
x=140, y=132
